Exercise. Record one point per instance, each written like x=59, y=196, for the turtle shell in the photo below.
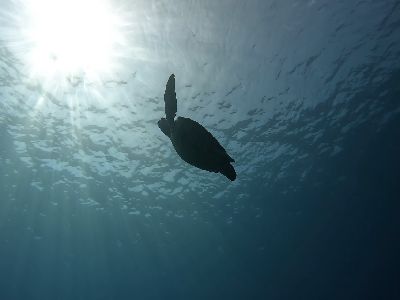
x=197, y=146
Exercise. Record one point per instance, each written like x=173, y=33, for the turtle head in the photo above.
x=165, y=127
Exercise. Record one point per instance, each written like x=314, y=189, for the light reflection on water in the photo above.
x=251, y=82
x=282, y=85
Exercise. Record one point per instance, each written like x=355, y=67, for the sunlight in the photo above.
x=69, y=38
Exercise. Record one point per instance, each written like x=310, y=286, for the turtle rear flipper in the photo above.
x=170, y=99
x=228, y=171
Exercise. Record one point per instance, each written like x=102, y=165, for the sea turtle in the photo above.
x=193, y=143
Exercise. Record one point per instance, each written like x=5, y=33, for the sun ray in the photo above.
x=67, y=42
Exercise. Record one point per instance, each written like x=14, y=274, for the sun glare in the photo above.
x=72, y=38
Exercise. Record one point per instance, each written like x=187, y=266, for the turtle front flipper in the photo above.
x=170, y=99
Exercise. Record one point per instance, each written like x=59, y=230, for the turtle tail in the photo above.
x=228, y=171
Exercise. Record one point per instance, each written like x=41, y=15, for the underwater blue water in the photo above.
x=304, y=95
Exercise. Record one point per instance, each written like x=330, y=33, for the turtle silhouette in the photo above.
x=193, y=143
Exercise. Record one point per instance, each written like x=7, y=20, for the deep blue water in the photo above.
x=305, y=95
